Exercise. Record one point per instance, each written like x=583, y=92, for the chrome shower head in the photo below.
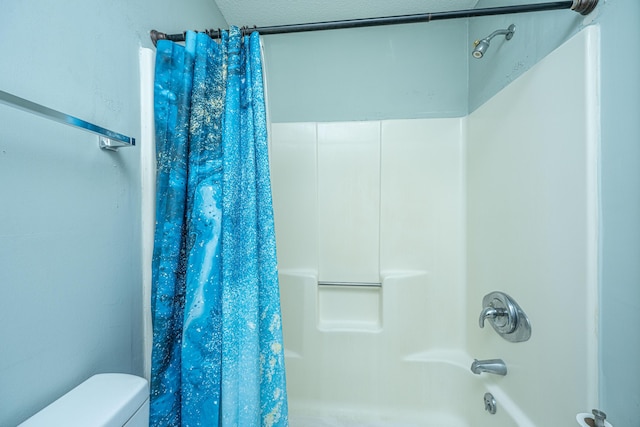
x=481, y=46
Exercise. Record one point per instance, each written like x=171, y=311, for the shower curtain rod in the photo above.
x=584, y=7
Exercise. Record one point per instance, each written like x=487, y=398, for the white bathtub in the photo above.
x=348, y=365
x=425, y=391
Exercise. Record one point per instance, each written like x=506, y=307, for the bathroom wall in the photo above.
x=620, y=187
x=393, y=72
x=70, y=228
x=532, y=229
x=537, y=34
x=407, y=71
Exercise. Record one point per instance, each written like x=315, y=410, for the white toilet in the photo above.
x=104, y=400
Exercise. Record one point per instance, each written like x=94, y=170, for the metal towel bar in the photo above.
x=108, y=140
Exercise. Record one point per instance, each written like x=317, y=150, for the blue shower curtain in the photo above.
x=218, y=356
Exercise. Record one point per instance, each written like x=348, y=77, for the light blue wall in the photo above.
x=405, y=71
x=620, y=292
x=402, y=71
x=70, y=276
x=536, y=35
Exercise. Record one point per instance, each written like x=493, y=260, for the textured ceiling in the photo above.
x=264, y=13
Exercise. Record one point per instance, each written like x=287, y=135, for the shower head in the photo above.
x=481, y=46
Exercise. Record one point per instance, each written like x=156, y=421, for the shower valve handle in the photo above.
x=505, y=316
x=491, y=313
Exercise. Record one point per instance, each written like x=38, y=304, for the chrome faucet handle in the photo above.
x=505, y=316
x=492, y=313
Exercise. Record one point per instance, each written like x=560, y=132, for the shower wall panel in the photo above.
x=532, y=185
x=348, y=184
x=391, y=194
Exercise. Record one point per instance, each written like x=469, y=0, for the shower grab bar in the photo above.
x=369, y=284
x=108, y=139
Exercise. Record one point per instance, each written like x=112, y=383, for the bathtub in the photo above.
x=348, y=365
x=434, y=389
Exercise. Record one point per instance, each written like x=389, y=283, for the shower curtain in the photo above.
x=218, y=356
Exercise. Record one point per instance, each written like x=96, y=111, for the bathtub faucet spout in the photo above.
x=490, y=366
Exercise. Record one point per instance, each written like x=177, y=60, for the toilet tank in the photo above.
x=104, y=400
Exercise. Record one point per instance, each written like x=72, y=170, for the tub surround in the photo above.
x=440, y=212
